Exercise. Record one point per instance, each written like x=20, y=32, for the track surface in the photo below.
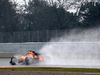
x=5, y=63
x=69, y=55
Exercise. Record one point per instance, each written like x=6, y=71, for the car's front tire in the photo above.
x=13, y=61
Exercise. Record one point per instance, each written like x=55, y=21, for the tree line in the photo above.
x=43, y=15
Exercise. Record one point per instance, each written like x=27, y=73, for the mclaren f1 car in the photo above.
x=29, y=58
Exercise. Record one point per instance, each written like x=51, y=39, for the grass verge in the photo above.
x=52, y=69
x=5, y=57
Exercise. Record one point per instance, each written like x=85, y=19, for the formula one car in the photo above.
x=31, y=57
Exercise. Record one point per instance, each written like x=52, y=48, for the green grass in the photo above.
x=52, y=69
x=5, y=57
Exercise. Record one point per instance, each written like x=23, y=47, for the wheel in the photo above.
x=28, y=60
x=13, y=61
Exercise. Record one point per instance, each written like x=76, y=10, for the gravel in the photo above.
x=17, y=72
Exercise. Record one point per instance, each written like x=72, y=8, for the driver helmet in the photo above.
x=31, y=52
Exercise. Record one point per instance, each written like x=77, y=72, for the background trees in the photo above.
x=43, y=15
x=8, y=19
x=89, y=14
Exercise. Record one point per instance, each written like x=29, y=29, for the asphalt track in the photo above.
x=75, y=55
x=4, y=63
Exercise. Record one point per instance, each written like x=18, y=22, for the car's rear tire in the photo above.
x=28, y=60
x=13, y=61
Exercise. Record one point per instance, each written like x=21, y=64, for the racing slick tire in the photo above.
x=28, y=60
x=13, y=61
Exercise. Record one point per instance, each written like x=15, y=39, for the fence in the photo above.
x=29, y=36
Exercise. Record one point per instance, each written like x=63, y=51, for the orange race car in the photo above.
x=31, y=57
